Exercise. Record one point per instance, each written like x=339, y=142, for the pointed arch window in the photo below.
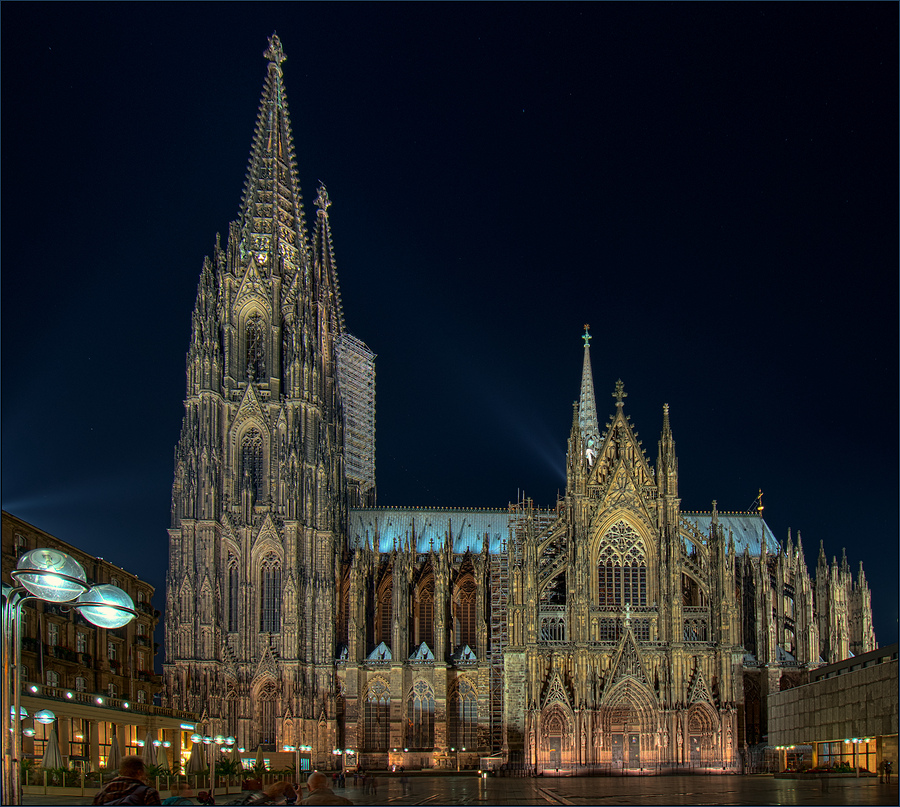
x=465, y=613
x=622, y=568
x=425, y=614
x=464, y=717
x=233, y=588
x=385, y=611
x=266, y=702
x=231, y=712
x=270, y=594
x=252, y=462
x=377, y=716
x=256, y=351
x=420, y=718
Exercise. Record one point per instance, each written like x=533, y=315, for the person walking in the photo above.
x=130, y=786
x=320, y=793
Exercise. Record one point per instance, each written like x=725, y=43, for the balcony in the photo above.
x=64, y=654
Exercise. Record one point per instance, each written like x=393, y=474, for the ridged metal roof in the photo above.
x=390, y=527
x=747, y=529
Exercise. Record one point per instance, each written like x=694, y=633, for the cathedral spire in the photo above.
x=328, y=291
x=272, y=225
x=587, y=407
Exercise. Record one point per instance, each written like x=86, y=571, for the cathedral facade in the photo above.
x=613, y=630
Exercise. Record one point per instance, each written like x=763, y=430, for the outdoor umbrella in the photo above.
x=162, y=758
x=196, y=763
x=115, y=752
x=52, y=757
x=149, y=755
x=259, y=758
x=235, y=754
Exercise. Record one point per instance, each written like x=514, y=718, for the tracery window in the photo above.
x=420, y=718
x=252, y=462
x=385, y=612
x=233, y=588
x=377, y=716
x=231, y=711
x=270, y=594
x=464, y=716
x=141, y=696
x=465, y=613
x=622, y=568
x=425, y=614
x=256, y=351
x=266, y=701
x=80, y=683
x=553, y=628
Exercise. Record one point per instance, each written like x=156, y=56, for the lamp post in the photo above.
x=215, y=743
x=457, y=757
x=51, y=576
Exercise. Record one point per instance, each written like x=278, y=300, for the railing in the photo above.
x=90, y=699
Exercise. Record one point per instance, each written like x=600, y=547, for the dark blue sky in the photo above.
x=713, y=187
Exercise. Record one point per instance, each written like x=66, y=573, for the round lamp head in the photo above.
x=23, y=712
x=45, y=716
x=51, y=575
x=106, y=606
x=196, y=738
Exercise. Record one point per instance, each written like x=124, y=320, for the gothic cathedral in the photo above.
x=612, y=630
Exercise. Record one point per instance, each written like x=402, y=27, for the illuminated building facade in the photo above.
x=612, y=630
x=98, y=682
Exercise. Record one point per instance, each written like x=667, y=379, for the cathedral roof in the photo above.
x=390, y=527
x=747, y=528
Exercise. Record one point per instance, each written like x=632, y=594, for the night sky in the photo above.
x=713, y=187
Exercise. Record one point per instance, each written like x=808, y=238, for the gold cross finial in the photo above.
x=587, y=337
x=275, y=53
x=620, y=393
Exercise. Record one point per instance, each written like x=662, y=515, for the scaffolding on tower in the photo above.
x=356, y=381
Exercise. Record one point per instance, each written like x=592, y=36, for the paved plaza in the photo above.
x=648, y=790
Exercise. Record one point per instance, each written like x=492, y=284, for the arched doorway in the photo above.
x=557, y=741
x=703, y=725
x=628, y=725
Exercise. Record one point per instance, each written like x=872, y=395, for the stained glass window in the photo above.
x=420, y=722
x=464, y=717
x=377, y=716
x=622, y=568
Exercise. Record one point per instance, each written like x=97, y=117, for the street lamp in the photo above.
x=214, y=742
x=51, y=576
x=457, y=757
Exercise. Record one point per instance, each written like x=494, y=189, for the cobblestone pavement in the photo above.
x=648, y=790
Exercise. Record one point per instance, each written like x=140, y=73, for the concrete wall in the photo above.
x=860, y=703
